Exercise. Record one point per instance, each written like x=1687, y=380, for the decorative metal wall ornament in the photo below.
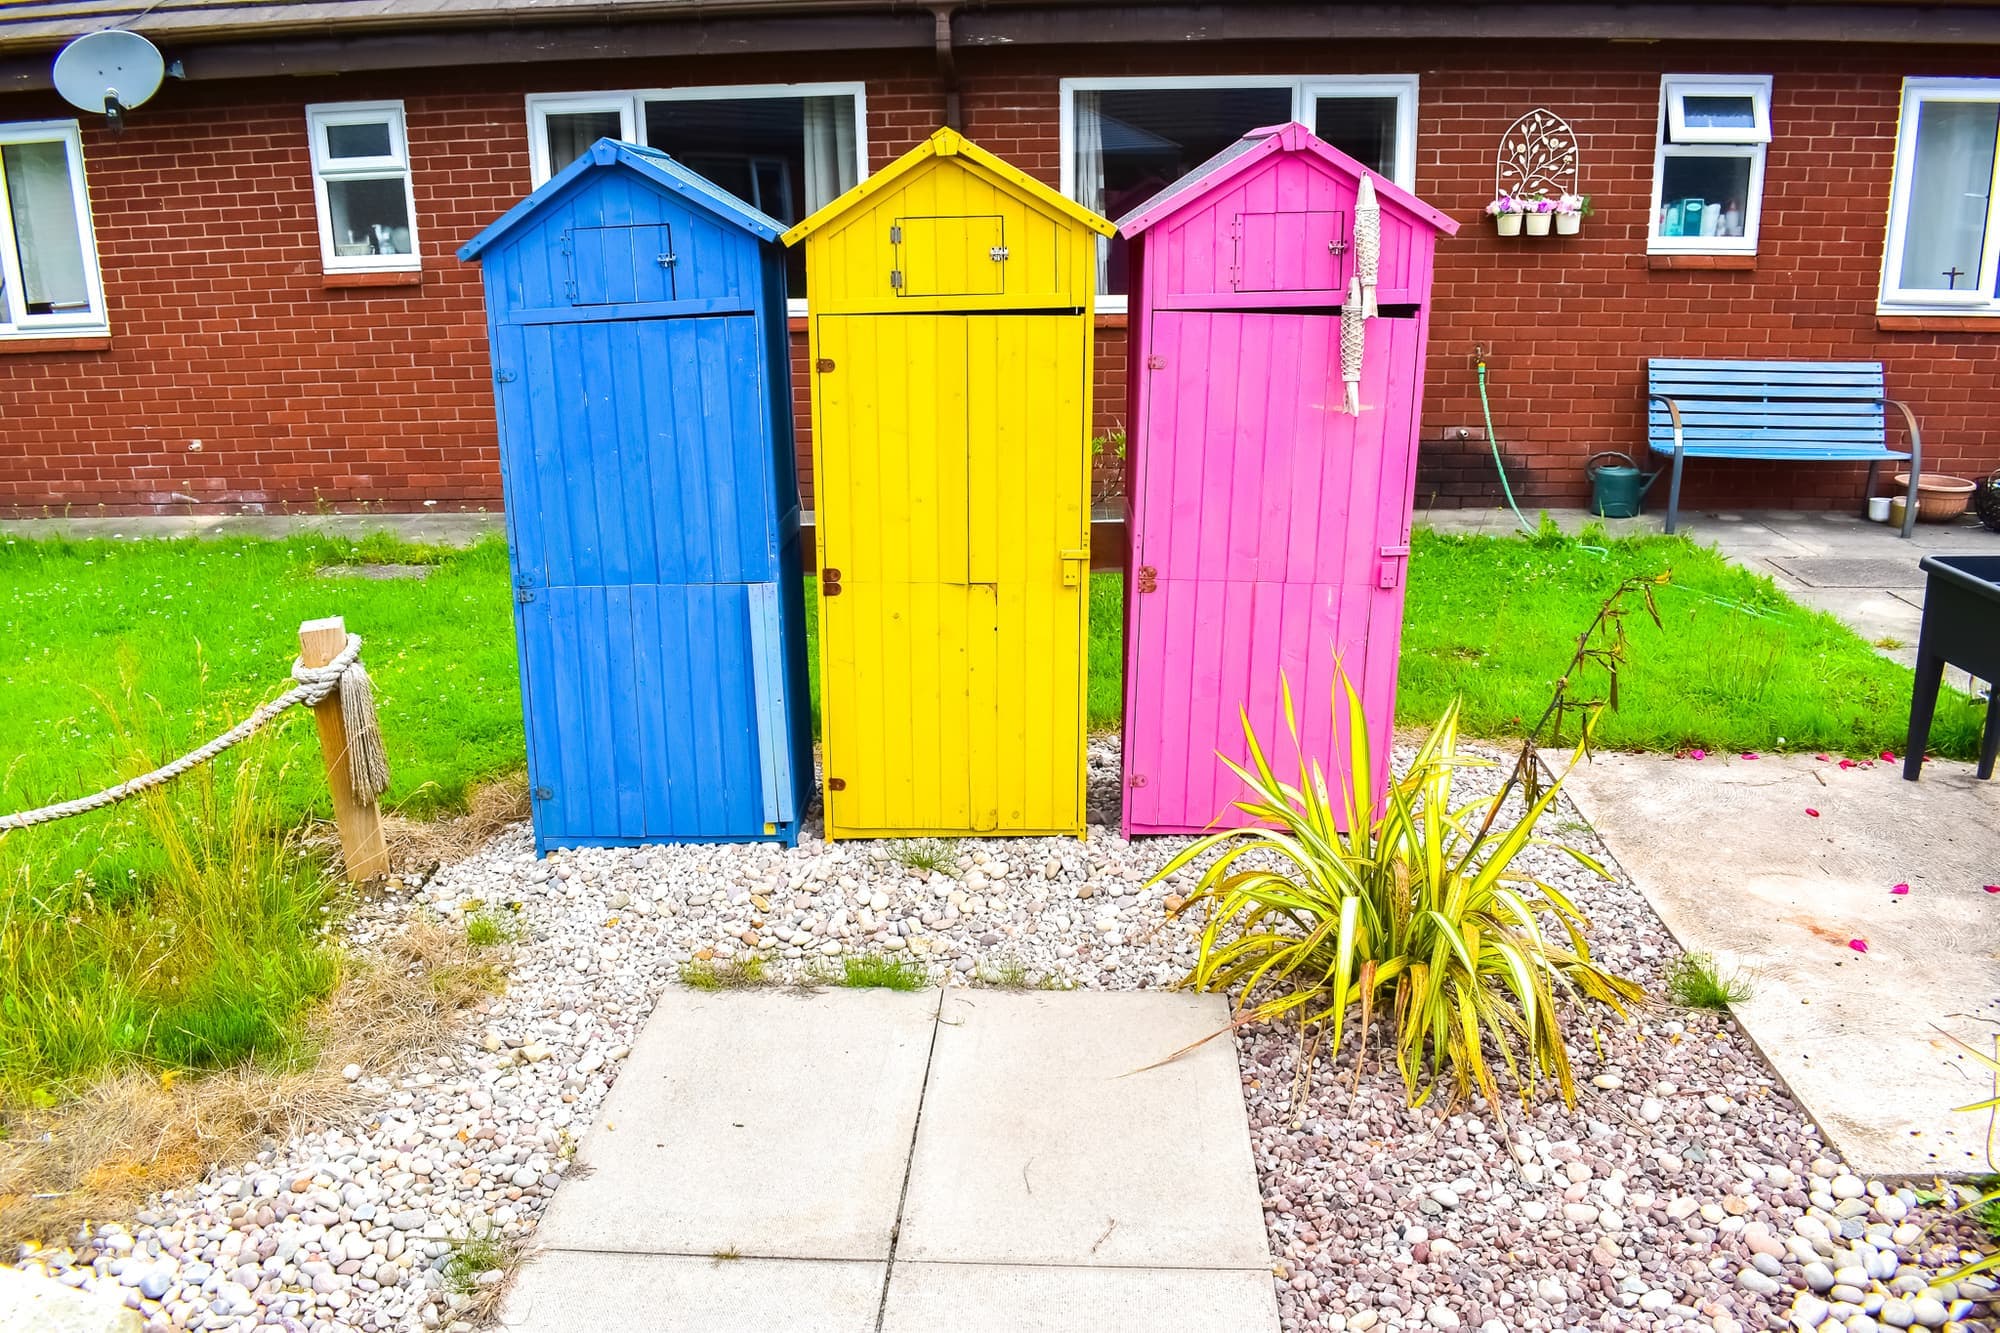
x=1538, y=157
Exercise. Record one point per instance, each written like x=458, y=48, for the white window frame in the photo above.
x=1979, y=299
x=1672, y=139
x=15, y=322
x=1306, y=90
x=396, y=165
x=631, y=107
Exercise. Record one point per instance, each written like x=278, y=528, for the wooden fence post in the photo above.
x=360, y=825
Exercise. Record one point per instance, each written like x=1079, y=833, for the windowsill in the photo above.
x=1890, y=322
x=1712, y=263
x=400, y=277
x=29, y=344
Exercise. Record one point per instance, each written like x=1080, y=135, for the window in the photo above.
x=787, y=149
x=1708, y=171
x=1125, y=140
x=361, y=177
x=1944, y=236
x=48, y=256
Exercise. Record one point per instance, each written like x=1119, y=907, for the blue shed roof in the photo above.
x=654, y=166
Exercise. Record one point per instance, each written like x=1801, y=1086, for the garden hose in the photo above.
x=1493, y=441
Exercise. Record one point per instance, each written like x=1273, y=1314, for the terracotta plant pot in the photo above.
x=1538, y=223
x=1568, y=224
x=1508, y=223
x=1940, y=499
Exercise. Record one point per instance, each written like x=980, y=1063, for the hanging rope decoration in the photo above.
x=1360, y=307
x=367, y=764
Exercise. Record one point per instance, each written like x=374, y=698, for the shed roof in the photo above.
x=1257, y=146
x=651, y=163
x=950, y=143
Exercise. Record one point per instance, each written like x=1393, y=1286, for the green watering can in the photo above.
x=1615, y=489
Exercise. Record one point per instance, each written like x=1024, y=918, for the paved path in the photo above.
x=1727, y=853
x=854, y=1161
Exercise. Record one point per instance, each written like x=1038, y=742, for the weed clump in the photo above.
x=1694, y=981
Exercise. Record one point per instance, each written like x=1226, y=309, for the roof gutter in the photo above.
x=949, y=28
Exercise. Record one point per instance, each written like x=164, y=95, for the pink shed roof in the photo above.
x=1253, y=148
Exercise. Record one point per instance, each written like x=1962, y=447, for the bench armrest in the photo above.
x=1674, y=415
x=1916, y=463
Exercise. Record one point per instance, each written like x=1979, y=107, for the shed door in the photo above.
x=611, y=265
x=950, y=485
x=1267, y=523
x=951, y=256
x=638, y=478
x=1293, y=251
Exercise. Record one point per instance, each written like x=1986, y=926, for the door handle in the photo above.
x=1074, y=561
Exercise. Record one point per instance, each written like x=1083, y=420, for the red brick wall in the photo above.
x=302, y=395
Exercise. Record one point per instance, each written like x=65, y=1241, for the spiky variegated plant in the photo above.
x=1417, y=910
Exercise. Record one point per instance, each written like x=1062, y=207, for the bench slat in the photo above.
x=1658, y=364
x=1790, y=412
x=1787, y=451
x=1757, y=392
x=1664, y=439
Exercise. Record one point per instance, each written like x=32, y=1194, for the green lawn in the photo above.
x=105, y=646
x=176, y=933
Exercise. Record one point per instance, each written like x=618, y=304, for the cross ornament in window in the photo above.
x=1951, y=277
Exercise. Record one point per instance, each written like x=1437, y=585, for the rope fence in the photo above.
x=337, y=688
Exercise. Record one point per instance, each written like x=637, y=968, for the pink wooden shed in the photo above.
x=1270, y=527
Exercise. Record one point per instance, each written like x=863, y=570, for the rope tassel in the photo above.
x=367, y=762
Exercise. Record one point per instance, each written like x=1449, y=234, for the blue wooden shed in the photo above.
x=642, y=381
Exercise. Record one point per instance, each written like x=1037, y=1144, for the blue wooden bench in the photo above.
x=1823, y=411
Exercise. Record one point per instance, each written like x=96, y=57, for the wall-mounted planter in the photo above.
x=1568, y=224
x=1537, y=224
x=1509, y=224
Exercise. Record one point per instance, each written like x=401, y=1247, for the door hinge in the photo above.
x=503, y=377
x=836, y=784
x=823, y=365
x=569, y=288
x=524, y=595
x=1149, y=579
x=829, y=583
x=565, y=243
x=896, y=233
x=1156, y=362
x=896, y=279
x=544, y=794
x=998, y=254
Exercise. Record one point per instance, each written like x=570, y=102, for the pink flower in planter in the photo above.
x=1859, y=946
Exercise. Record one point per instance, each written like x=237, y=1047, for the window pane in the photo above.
x=369, y=217
x=1364, y=128
x=370, y=139
x=1703, y=196
x=1724, y=112
x=570, y=132
x=46, y=234
x=1945, y=232
x=1131, y=143
x=785, y=155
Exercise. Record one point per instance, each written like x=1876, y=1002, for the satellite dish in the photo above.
x=109, y=72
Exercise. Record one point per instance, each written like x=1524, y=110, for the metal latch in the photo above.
x=1149, y=579
x=829, y=583
x=1336, y=246
x=1392, y=571
x=998, y=253
x=1074, y=559
x=667, y=261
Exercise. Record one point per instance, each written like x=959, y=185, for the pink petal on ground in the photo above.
x=1889, y=756
x=1749, y=754
x=1991, y=888
x=1847, y=763
x=1859, y=946
x=1814, y=813
x=1824, y=758
x=1900, y=888
x=1697, y=754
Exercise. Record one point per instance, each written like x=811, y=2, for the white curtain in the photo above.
x=1949, y=187
x=45, y=227
x=831, y=169
x=1089, y=135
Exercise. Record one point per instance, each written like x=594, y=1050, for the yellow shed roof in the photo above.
x=952, y=144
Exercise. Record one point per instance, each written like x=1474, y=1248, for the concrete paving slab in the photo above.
x=1728, y=855
x=31, y=1303
x=986, y=1298
x=1042, y=1141
x=767, y=1123
x=571, y=1291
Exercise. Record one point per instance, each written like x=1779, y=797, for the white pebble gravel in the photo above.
x=1686, y=1191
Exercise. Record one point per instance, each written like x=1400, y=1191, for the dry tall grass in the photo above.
x=132, y=1133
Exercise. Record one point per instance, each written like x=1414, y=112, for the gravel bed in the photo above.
x=1686, y=1191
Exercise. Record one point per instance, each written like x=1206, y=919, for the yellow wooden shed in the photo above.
x=951, y=335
